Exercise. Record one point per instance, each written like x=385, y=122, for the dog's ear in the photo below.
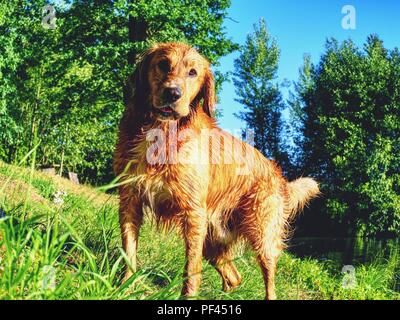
x=137, y=86
x=209, y=98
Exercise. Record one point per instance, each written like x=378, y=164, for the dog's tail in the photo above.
x=300, y=192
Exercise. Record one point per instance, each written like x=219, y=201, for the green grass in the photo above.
x=80, y=241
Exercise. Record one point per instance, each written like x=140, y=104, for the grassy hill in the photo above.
x=69, y=248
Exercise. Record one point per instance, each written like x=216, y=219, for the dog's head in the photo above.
x=171, y=80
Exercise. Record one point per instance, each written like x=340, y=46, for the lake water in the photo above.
x=344, y=251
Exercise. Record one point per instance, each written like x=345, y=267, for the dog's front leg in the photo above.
x=131, y=218
x=195, y=230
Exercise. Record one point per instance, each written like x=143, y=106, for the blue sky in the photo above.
x=302, y=26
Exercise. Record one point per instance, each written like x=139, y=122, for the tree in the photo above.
x=256, y=88
x=199, y=22
x=28, y=48
x=65, y=86
x=298, y=101
x=351, y=129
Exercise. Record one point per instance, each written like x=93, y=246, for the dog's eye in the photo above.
x=193, y=73
x=164, y=65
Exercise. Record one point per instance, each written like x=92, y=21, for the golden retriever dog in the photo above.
x=171, y=157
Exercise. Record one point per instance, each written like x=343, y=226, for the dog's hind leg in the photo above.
x=221, y=257
x=264, y=230
x=268, y=268
x=130, y=218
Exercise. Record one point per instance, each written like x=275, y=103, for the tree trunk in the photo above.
x=137, y=33
x=34, y=110
x=137, y=27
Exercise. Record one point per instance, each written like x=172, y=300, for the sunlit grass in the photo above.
x=80, y=241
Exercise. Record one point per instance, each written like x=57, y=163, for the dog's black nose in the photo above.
x=172, y=94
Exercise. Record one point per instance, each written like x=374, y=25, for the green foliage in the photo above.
x=349, y=107
x=64, y=87
x=198, y=22
x=254, y=79
x=10, y=57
